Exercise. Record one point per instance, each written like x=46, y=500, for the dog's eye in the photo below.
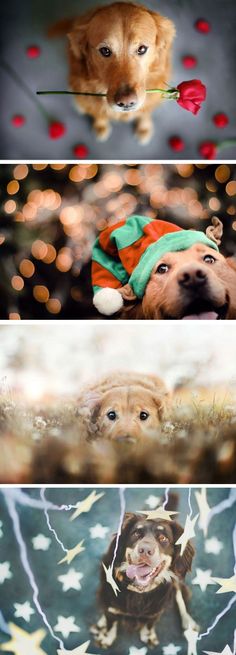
x=163, y=539
x=105, y=52
x=162, y=268
x=143, y=416
x=112, y=416
x=142, y=49
x=209, y=259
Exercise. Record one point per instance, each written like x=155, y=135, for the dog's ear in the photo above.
x=127, y=292
x=129, y=520
x=215, y=231
x=162, y=401
x=165, y=36
x=78, y=36
x=182, y=563
x=88, y=409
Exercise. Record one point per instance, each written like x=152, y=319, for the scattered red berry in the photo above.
x=176, y=143
x=33, y=51
x=189, y=61
x=18, y=120
x=208, y=150
x=56, y=130
x=202, y=25
x=81, y=151
x=220, y=120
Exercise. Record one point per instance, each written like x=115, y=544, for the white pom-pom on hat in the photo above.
x=108, y=301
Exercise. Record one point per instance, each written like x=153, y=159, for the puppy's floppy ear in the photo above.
x=162, y=401
x=165, y=36
x=182, y=563
x=78, y=36
x=215, y=231
x=129, y=520
x=88, y=410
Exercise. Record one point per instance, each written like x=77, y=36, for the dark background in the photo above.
x=25, y=23
x=82, y=604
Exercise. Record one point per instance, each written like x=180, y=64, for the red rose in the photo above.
x=189, y=61
x=81, y=151
x=18, y=120
x=56, y=130
x=176, y=143
x=202, y=25
x=191, y=95
x=33, y=51
x=208, y=149
x=221, y=120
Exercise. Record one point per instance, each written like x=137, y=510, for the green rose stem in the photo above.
x=21, y=83
x=168, y=93
x=226, y=143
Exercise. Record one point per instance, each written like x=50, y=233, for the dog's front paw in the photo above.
x=103, y=130
x=148, y=636
x=144, y=130
x=104, y=637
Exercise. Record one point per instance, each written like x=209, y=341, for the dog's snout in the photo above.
x=126, y=99
x=125, y=438
x=146, y=548
x=192, y=278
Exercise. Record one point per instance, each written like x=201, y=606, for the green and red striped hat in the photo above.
x=127, y=252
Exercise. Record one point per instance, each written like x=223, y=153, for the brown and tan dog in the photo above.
x=120, y=50
x=123, y=407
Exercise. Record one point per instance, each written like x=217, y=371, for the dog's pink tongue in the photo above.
x=204, y=316
x=133, y=571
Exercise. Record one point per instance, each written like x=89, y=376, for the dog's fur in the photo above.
x=148, y=547
x=125, y=75
x=138, y=401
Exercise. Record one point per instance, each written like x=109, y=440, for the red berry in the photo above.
x=56, y=130
x=203, y=26
x=208, y=149
x=33, y=51
x=189, y=61
x=176, y=143
x=81, y=151
x=220, y=120
x=18, y=120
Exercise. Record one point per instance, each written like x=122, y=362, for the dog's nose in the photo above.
x=126, y=99
x=192, y=278
x=146, y=548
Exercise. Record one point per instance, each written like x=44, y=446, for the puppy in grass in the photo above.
x=123, y=408
x=120, y=50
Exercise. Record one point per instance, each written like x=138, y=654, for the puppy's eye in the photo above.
x=112, y=416
x=105, y=52
x=209, y=259
x=163, y=539
x=143, y=416
x=162, y=268
x=142, y=49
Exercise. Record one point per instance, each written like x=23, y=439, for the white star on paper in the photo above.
x=188, y=532
x=71, y=580
x=204, y=509
x=98, y=531
x=213, y=546
x=192, y=637
x=158, y=513
x=40, y=542
x=171, y=649
x=226, y=584
x=153, y=501
x=84, y=506
x=110, y=579
x=72, y=553
x=137, y=651
x=203, y=578
x=23, y=611
x=5, y=573
x=66, y=625
x=1, y=531
x=227, y=651
x=23, y=643
x=80, y=650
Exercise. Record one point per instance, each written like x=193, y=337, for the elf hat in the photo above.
x=128, y=251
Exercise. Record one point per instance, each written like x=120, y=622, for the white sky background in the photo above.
x=61, y=357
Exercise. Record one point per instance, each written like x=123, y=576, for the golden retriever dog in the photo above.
x=198, y=283
x=121, y=50
x=123, y=407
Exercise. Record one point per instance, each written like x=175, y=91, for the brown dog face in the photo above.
x=121, y=44
x=187, y=285
x=148, y=552
x=128, y=414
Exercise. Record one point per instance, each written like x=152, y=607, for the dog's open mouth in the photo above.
x=142, y=574
x=202, y=310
